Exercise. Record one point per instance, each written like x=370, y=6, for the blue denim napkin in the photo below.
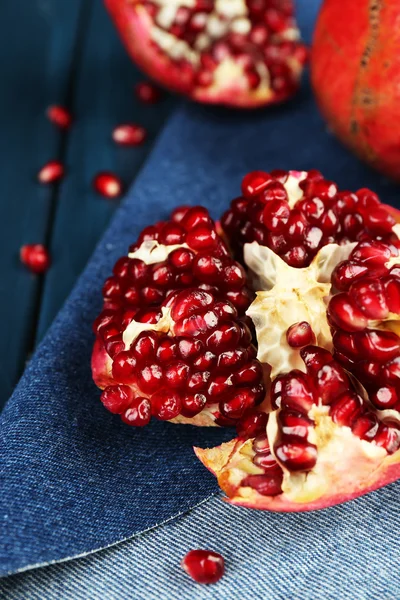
x=74, y=478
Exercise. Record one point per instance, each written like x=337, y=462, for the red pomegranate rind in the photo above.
x=317, y=415
x=296, y=213
x=243, y=55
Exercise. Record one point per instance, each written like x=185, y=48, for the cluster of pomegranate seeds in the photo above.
x=296, y=213
x=268, y=483
x=147, y=92
x=129, y=134
x=369, y=296
x=259, y=36
x=206, y=359
x=324, y=384
x=204, y=566
x=60, y=116
x=51, y=172
x=35, y=257
x=107, y=184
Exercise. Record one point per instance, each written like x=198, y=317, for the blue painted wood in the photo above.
x=102, y=98
x=37, y=40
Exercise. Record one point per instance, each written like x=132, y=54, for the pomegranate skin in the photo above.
x=355, y=73
x=134, y=24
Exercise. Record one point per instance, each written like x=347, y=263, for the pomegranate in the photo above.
x=243, y=53
x=51, y=172
x=36, y=257
x=355, y=72
x=204, y=566
x=172, y=328
x=129, y=135
x=317, y=405
x=107, y=184
x=60, y=116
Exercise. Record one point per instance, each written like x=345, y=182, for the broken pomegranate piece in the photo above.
x=324, y=444
x=172, y=328
x=243, y=53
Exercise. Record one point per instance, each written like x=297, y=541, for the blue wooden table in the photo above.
x=68, y=53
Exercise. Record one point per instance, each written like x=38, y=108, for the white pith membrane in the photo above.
x=290, y=295
x=227, y=16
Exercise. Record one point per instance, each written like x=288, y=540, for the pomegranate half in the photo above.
x=355, y=72
x=243, y=53
x=298, y=348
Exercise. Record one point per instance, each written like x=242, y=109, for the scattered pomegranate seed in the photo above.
x=129, y=135
x=300, y=334
x=35, y=257
x=204, y=566
x=107, y=184
x=147, y=92
x=51, y=172
x=59, y=115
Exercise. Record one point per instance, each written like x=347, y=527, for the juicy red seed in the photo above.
x=189, y=302
x=202, y=238
x=255, y=182
x=117, y=398
x=166, y=350
x=300, y=334
x=197, y=216
x=179, y=212
x=266, y=485
x=296, y=454
x=371, y=254
x=124, y=367
x=150, y=378
x=145, y=345
x=346, y=273
x=276, y=215
x=366, y=426
x=189, y=348
x=107, y=184
x=176, y=374
x=252, y=425
x=138, y=413
x=193, y=404
x=391, y=370
x=388, y=436
x=296, y=257
x=346, y=408
x=59, y=115
x=344, y=313
x=294, y=423
x=204, y=566
x=225, y=337
x=367, y=199
x=331, y=381
x=121, y=267
x=370, y=298
x=250, y=374
x=35, y=257
x=392, y=294
x=51, y=172
x=129, y=134
x=378, y=345
x=379, y=220
x=261, y=444
x=147, y=92
x=241, y=401
x=139, y=271
x=384, y=398
x=166, y=405
x=297, y=391
x=181, y=259
x=315, y=358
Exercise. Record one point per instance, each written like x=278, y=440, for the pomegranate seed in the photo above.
x=147, y=92
x=300, y=334
x=266, y=485
x=35, y=257
x=296, y=454
x=129, y=135
x=254, y=183
x=117, y=398
x=204, y=566
x=166, y=405
x=107, y=184
x=59, y=115
x=252, y=425
x=51, y=172
x=138, y=413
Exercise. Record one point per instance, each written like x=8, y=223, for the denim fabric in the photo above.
x=74, y=479
x=346, y=553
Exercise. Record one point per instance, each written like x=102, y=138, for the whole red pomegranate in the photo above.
x=295, y=340
x=355, y=72
x=235, y=52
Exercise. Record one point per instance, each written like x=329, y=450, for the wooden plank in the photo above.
x=103, y=97
x=37, y=43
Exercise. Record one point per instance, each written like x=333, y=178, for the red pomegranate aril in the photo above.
x=346, y=273
x=204, y=566
x=35, y=257
x=107, y=184
x=366, y=426
x=379, y=220
x=150, y=378
x=51, y=172
x=385, y=398
x=388, y=436
x=147, y=92
x=296, y=454
x=392, y=294
x=129, y=134
x=378, y=345
x=176, y=374
x=276, y=214
x=332, y=381
x=300, y=334
x=266, y=485
x=117, y=398
x=346, y=408
x=59, y=115
x=371, y=254
x=294, y=423
x=192, y=404
x=166, y=405
x=202, y=238
x=344, y=312
x=254, y=183
x=296, y=391
x=369, y=297
x=391, y=370
x=145, y=345
x=138, y=413
x=124, y=367
x=252, y=425
x=238, y=404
